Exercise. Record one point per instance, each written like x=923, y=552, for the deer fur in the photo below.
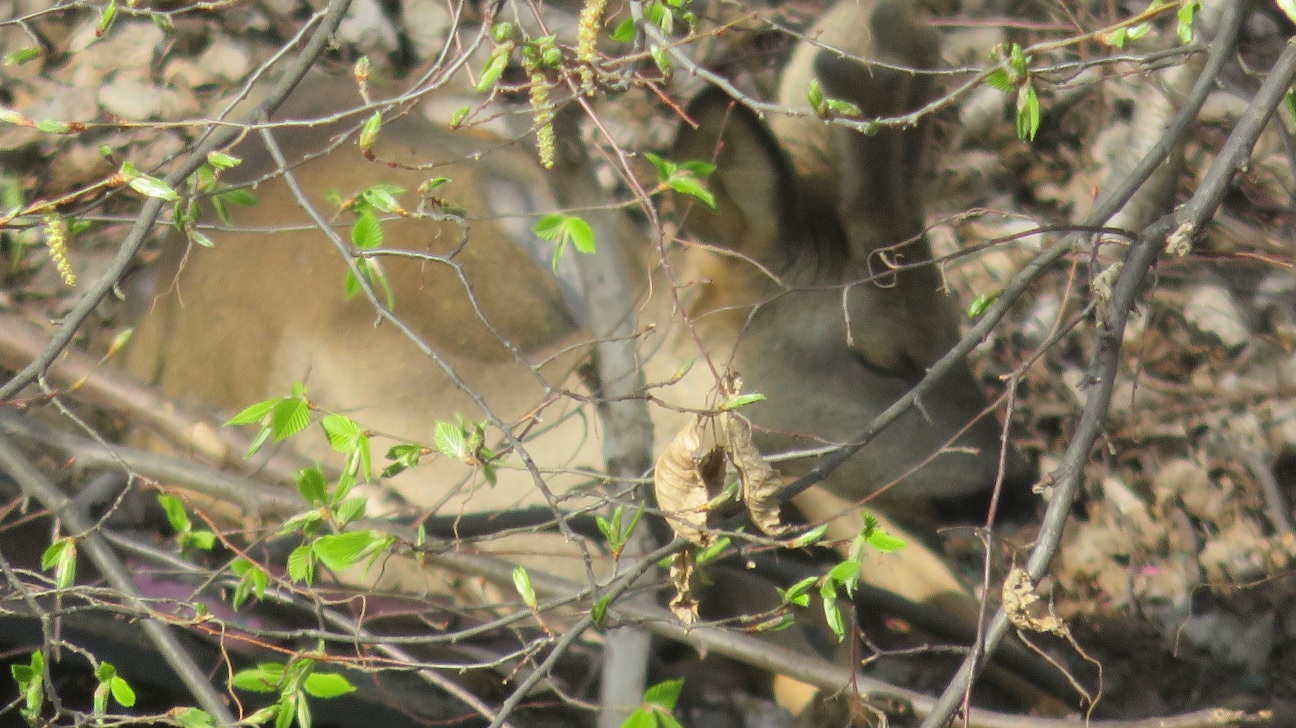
x=776, y=284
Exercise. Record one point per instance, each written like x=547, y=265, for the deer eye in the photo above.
x=906, y=372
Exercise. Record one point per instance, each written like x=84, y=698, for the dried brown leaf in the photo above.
x=760, y=484
x=689, y=474
x=684, y=605
x=1024, y=608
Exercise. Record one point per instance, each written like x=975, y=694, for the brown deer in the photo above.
x=791, y=287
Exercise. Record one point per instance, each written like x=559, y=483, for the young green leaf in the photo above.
x=664, y=695
x=369, y=133
x=253, y=414
x=327, y=685
x=450, y=440
x=367, y=232
x=349, y=510
x=799, y=593
x=344, y=550
x=495, y=66
x=598, y=610
x=175, y=513
x=344, y=434
x=740, y=400
x=522, y=582
x=301, y=564
x=60, y=556
x=625, y=31
x=1028, y=112
x=1187, y=13
x=290, y=416
x=193, y=718
x=223, y=161
x=809, y=537
x=263, y=678
x=311, y=485
x=982, y=302
x=21, y=56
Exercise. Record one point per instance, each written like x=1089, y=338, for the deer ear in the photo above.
x=879, y=200
x=754, y=186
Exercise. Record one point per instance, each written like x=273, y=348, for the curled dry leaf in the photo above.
x=689, y=475
x=1022, y=605
x=684, y=605
x=760, y=486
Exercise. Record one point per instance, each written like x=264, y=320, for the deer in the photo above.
x=807, y=279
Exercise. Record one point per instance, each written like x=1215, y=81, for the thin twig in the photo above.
x=1104, y=367
x=36, y=485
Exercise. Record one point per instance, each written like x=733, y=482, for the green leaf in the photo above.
x=223, y=161
x=1028, y=113
x=495, y=66
x=999, y=80
x=459, y=115
x=382, y=197
x=153, y=187
x=241, y=196
x=369, y=133
x=832, y=612
x=686, y=183
x=122, y=692
x=342, y=551
x=809, y=537
x=203, y=540
x=846, y=574
x=1116, y=38
x=778, y=623
x=522, y=582
x=254, y=414
x=841, y=107
x=450, y=440
x=712, y=550
x=301, y=564
x=327, y=685
x=343, y=432
x=885, y=542
x=367, y=233
x=799, y=593
x=664, y=694
x=290, y=416
x=199, y=238
x=640, y=719
x=815, y=95
x=598, y=610
x=625, y=31
x=263, y=678
x=175, y=512
x=194, y=718
x=502, y=32
x=262, y=437
x=251, y=580
x=349, y=510
x=981, y=303
x=106, y=17
x=311, y=485
x=53, y=126
x=740, y=400
x=564, y=229
x=1188, y=11
x=61, y=557
x=19, y=57
x=661, y=59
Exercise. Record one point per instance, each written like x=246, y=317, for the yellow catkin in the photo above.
x=543, y=111
x=56, y=242
x=591, y=18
